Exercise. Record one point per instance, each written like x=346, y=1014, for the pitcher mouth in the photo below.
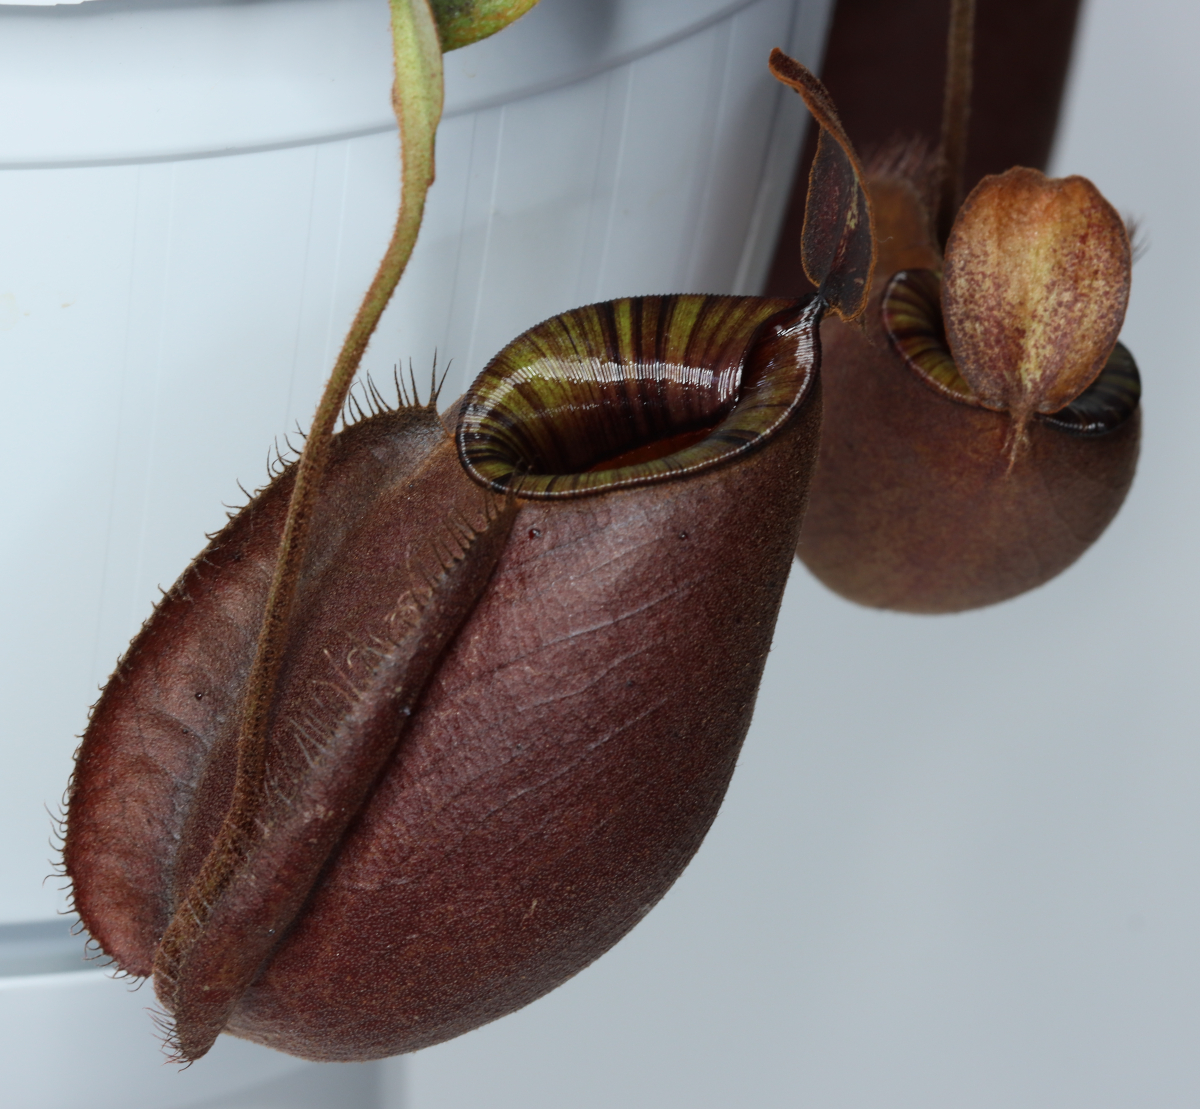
x=912, y=318
x=636, y=391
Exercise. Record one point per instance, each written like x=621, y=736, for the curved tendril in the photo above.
x=417, y=101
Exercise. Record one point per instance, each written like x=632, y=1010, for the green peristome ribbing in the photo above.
x=462, y=22
x=912, y=317
x=597, y=382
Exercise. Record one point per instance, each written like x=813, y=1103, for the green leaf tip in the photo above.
x=462, y=22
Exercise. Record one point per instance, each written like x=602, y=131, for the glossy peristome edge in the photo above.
x=767, y=347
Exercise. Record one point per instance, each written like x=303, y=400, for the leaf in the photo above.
x=837, y=245
x=462, y=22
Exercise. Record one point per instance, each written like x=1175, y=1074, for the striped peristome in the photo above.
x=560, y=411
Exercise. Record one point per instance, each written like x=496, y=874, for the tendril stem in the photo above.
x=956, y=111
x=417, y=101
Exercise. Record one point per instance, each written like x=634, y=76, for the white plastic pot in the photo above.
x=194, y=198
